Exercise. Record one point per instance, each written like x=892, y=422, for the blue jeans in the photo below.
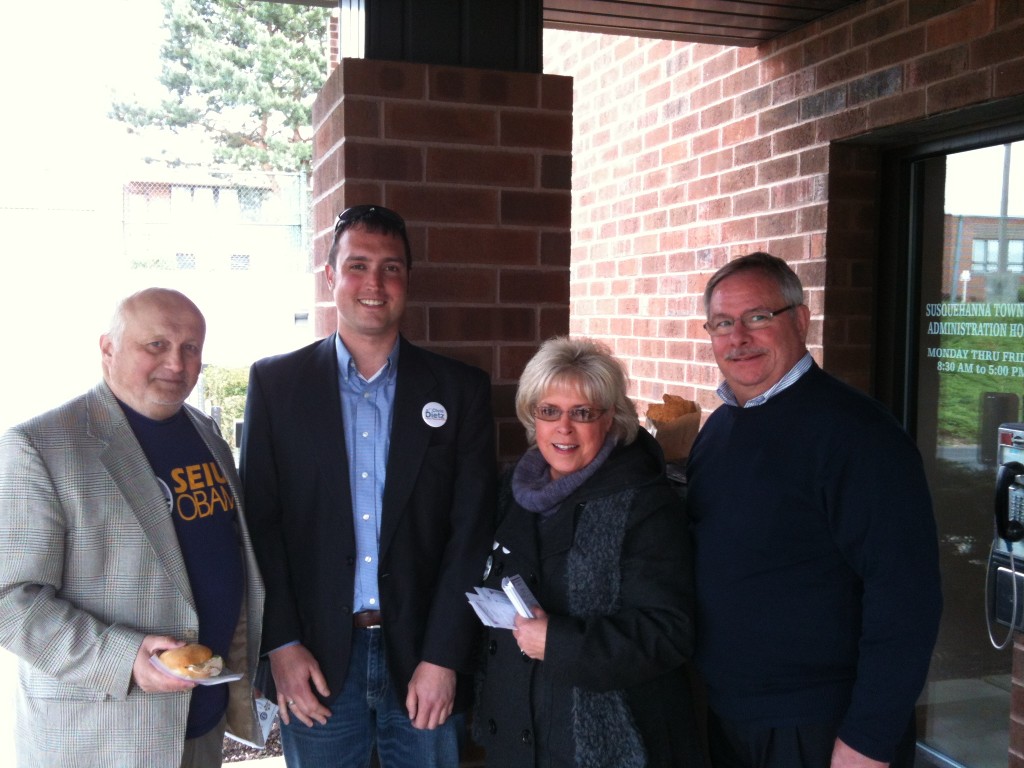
x=368, y=711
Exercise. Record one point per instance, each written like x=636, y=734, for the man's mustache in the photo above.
x=742, y=354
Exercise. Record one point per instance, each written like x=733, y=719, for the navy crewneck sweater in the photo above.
x=816, y=563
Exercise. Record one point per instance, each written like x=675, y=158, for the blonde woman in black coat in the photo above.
x=589, y=520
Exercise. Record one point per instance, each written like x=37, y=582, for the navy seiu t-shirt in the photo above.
x=204, y=512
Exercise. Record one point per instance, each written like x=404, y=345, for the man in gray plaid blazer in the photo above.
x=122, y=535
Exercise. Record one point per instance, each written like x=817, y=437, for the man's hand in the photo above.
x=149, y=678
x=294, y=668
x=532, y=634
x=431, y=695
x=845, y=756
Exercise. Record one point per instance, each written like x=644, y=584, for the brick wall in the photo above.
x=478, y=162
x=682, y=157
x=333, y=41
x=685, y=156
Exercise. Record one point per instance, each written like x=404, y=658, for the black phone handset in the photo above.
x=1009, y=502
x=1009, y=524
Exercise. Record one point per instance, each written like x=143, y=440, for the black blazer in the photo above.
x=436, y=525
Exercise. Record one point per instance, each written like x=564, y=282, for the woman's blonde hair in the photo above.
x=587, y=364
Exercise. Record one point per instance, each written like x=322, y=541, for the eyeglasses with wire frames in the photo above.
x=357, y=213
x=582, y=414
x=754, y=320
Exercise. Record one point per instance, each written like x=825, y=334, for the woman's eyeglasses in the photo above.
x=583, y=414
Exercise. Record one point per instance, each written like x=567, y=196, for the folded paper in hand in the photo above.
x=266, y=710
x=498, y=608
x=520, y=595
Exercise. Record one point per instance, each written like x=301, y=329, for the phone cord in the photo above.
x=1000, y=645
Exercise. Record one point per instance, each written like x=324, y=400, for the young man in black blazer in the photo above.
x=368, y=465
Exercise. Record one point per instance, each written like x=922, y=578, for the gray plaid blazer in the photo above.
x=89, y=565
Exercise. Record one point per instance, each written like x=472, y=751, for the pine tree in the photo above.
x=245, y=73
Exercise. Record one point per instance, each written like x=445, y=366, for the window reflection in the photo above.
x=970, y=379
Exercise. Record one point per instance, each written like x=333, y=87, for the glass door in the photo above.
x=969, y=366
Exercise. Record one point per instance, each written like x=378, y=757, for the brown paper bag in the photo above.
x=674, y=425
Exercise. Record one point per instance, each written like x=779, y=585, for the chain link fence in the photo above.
x=237, y=243
x=217, y=221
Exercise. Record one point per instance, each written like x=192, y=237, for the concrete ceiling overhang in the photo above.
x=720, y=22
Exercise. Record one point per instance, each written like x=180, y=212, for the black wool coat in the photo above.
x=613, y=570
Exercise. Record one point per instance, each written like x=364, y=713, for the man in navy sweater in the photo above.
x=816, y=549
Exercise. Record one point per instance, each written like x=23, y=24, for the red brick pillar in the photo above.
x=478, y=162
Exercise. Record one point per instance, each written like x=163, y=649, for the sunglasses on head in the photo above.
x=379, y=213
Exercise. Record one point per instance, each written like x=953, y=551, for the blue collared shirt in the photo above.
x=366, y=406
x=803, y=365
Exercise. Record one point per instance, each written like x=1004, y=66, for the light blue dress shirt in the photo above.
x=803, y=365
x=367, y=406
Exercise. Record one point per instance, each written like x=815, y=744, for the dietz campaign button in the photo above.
x=434, y=414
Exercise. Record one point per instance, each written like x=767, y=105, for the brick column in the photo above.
x=478, y=162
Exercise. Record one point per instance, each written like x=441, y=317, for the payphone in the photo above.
x=1004, y=584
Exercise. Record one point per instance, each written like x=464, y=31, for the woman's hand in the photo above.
x=532, y=634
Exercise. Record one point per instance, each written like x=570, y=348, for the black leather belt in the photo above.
x=366, y=619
